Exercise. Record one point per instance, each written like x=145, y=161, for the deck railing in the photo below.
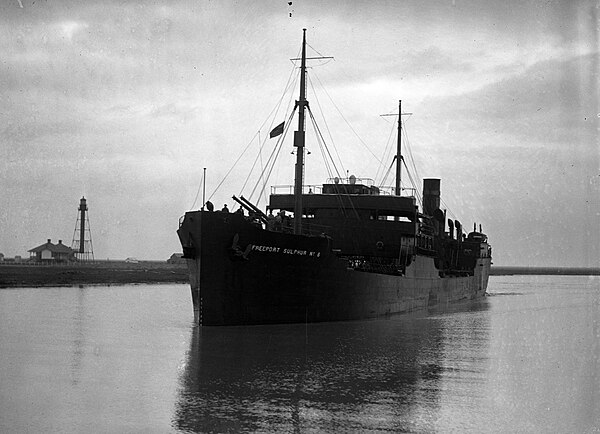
x=318, y=189
x=289, y=189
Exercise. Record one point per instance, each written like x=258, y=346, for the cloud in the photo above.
x=526, y=149
x=553, y=102
x=67, y=29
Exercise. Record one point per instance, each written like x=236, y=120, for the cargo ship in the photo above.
x=345, y=250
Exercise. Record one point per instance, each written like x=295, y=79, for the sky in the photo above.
x=126, y=103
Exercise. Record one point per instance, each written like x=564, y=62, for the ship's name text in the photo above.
x=284, y=251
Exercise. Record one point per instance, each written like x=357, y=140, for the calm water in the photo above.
x=128, y=359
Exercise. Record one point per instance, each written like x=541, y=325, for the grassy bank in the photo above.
x=104, y=272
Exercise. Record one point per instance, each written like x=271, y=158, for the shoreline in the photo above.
x=544, y=271
x=98, y=273
x=149, y=272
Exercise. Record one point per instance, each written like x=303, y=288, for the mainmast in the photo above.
x=399, y=151
x=299, y=137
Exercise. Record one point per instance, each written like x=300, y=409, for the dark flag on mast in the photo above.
x=278, y=130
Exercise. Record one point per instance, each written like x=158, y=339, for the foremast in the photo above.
x=399, y=152
x=299, y=138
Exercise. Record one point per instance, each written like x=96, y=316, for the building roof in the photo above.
x=55, y=248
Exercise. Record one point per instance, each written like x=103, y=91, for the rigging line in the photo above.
x=338, y=173
x=409, y=146
x=249, y=173
x=261, y=176
x=318, y=130
x=412, y=181
x=416, y=191
x=338, y=196
x=388, y=176
x=325, y=121
x=273, y=157
x=385, y=179
x=270, y=161
x=291, y=99
x=198, y=192
x=273, y=111
x=251, y=170
x=387, y=151
x=410, y=175
x=387, y=173
x=327, y=165
x=392, y=147
x=380, y=167
x=261, y=193
x=262, y=168
x=313, y=48
x=232, y=167
x=348, y=123
x=324, y=59
x=291, y=107
x=410, y=154
x=323, y=148
x=320, y=143
x=289, y=84
x=410, y=158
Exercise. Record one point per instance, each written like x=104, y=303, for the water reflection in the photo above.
x=78, y=343
x=352, y=376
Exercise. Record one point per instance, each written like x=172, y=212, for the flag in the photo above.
x=278, y=130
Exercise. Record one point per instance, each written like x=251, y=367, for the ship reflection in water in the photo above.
x=350, y=376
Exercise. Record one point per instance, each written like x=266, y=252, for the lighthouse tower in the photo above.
x=82, y=236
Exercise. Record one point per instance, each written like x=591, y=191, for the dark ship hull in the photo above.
x=243, y=274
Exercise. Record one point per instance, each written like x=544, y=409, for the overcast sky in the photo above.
x=125, y=102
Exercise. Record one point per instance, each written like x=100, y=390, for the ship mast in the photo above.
x=399, y=151
x=299, y=137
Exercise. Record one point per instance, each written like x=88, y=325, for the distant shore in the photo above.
x=100, y=272
x=567, y=271
x=122, y=273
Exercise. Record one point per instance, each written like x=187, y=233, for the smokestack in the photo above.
x=431, y=195
x=82, y=208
